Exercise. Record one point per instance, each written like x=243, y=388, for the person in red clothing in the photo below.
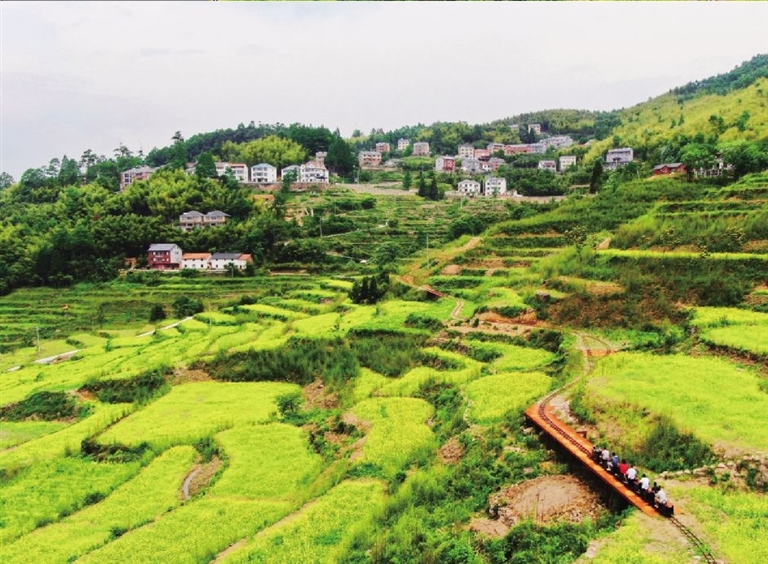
x=623, y=467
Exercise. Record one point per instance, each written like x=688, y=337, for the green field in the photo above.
x=492, y=397
x=704, y=395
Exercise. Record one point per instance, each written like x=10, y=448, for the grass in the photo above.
x=154, y=491
x=735, y=521
x=633, y=543
x=492, y=397
x=67, y=440
x=194, y=411
x=414, y=378
x=705, y=395
x=319, y=531
x=398, y=431
x=367, y=383
x=515, y=357
x=52, y=489
x=14, y=433
x=738, y=329
x=270, y=462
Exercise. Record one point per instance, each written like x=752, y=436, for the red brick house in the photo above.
x=668, y=168
x=164, y=256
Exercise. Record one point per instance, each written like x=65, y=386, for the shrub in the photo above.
x=46, y=406
x=667, y=448
x=157, y=313
x=131, y=390
x=184, y=306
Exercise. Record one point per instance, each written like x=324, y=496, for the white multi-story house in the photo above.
x=369, y=158
x=135, y=174
x=469, y=188
x=295, y=169
x=566, y=161
x=471, y=165
x=495, y=186
x=548, y=165
x=196, y=261
x=617, y=157
x=558, y=141
x=382, y=147
x=535, y=127
x=445, y=164
x=493, y=147
x=421, y=149
x=221, y=261
x=239, y=170
x=537, y=148
x=263, y=173
x=402, y=144
x=313, y=172
x=466, y=151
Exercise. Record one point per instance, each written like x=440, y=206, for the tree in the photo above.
x=596, y=179
x=277, y=151
x=205, y=167
x=696, y=156
x=340, y=158
x=433, y=193
x=407, y=180
x=69, y=172
x=422, y=186
x=6, y=180
x=744, y=156
x=178, y=151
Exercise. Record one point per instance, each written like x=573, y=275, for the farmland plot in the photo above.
x=493, y=396
x=154, y=491
x=738, y=329
x=706, y=395
x=197, y=410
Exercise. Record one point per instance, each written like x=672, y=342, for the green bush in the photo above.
x=140, y=389
x=668, y=448
x=46, y=406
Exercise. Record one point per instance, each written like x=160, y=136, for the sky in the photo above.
x=93, y=75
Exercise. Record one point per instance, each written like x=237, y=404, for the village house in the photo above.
x=135, y=174
x=495, y=162
x=195, y=220
x=313, y=172
x=567, y=161
x=445, y=164
x=719, y=169
x=618, y=157
x=482, y=154
x=164, y=256
x=239, y=170
x=514, y=126
x=382, y=147
x=369, y=158
x=558, y=141
x=537, y=148
x=469, y=188
x=495, y=186
x=668, y=168
x=471, y=165
x=221, y=261
x=196, y=261
x=402, y=144
x=466, y=151
x=517, y=149
x=421, y=149
x=548, y=165
x=535, y=127
x=493, y=147
x=292, y=169
x=263, y=173
x=320, y=157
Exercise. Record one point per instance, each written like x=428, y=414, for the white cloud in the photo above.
x=90, y=75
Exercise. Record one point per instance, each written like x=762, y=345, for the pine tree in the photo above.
x=422, y=186
x=434, y=192
x=407, y=180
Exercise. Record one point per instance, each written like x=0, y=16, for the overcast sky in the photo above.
x=95, y=74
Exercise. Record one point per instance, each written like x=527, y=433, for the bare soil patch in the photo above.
x=544, y=499
x=451, y=270
x=451, y=452
x=317, y=396
x=186, y=375
x=200, y=476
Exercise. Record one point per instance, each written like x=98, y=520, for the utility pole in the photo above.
x=37, y=330
x=427, y=251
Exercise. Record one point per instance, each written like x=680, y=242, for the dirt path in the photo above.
x=171, y=326
x=456, y=313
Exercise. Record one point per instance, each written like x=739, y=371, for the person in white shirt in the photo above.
x=645, y=483
x=661, y=497
x=631, y=475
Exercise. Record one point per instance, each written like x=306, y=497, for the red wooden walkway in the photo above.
x=543, y=415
